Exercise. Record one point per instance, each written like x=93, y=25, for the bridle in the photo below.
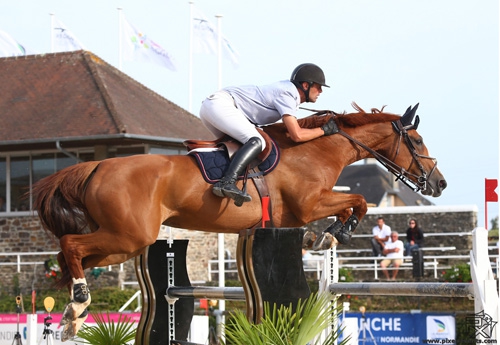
x=401, y=173
x=401, y=126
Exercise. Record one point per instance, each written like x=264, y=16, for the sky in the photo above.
x=442, y=54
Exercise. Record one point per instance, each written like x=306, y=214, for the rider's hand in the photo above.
x=330, y=127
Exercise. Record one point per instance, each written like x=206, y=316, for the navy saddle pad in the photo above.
x=213, y=164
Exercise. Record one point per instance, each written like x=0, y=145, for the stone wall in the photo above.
x=24, y=234
x=432, y=219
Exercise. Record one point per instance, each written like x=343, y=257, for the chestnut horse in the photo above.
x=107, y=212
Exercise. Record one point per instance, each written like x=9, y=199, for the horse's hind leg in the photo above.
x=88, y=249
x=75, y=313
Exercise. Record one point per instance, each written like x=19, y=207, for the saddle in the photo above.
x=231, y=145
x=265, y=162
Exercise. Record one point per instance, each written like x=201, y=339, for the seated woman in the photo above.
x=414, y=237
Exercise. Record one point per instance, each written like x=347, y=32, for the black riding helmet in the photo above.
x=309, y=73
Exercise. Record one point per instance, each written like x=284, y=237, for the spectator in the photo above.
x=393, y=252
x=414, y=237
x=381, y=234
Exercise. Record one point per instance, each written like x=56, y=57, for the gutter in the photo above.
x=94, y=137
x=69, y=154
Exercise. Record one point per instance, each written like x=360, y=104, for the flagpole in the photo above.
x=219, y=51
x=51, y=32
x=485, y=208
x=190, y=90
x=120, y=38
x=222, y=272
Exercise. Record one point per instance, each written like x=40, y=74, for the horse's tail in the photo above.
x=58, y=199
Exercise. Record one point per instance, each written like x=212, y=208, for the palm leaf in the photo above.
x=107, y=332
x=283, y=326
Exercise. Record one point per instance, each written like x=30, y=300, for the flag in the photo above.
x=63, y=39
x=10, y=47
x=205, y=38
x=138, y=46
x=489, y=191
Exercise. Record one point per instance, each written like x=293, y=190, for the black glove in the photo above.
x=330, y=127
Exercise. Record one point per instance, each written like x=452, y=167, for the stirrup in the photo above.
x=228, y=189
x=237, y=195
x=217, y=189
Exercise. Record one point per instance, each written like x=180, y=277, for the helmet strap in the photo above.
x=306, y=92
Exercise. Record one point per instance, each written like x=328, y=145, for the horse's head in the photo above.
x=412, y=163
x=394, y=141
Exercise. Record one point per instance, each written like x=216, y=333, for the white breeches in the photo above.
x=220, y=115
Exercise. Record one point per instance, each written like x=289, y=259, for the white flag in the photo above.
x=138, y=46
x=63, y=39
x=204, y=34
x=205, y=38
x=10, y=47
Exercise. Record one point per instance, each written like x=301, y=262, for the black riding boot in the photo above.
x=244, y=156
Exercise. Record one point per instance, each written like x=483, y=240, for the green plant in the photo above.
x=52, y=269
x=345, y=275
x=283, y=326
x=458, y=273
x=108, y=332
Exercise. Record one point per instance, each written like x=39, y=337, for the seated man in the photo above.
x=381, y=235
x=393, y=252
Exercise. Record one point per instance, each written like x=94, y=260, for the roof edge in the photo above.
x=93, y=137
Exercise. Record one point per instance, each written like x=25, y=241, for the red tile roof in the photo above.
x=76, y=94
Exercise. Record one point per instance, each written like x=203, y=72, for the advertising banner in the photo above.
x=9, y=328
x=399, y=328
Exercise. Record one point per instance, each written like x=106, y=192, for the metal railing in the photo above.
x=23, y=259
x=431, y=262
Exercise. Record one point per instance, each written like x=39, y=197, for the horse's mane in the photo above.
x=356, y=119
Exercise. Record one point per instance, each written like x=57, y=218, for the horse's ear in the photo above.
x=408, y=116
x=417, y=121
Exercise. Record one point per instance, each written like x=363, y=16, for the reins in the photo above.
x=401, y=173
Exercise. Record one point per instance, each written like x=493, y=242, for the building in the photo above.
x=60, y=109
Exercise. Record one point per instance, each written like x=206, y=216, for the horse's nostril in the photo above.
x=443, y=184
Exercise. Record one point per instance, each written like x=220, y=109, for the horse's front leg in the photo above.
x=349, y=209
x=342, y=231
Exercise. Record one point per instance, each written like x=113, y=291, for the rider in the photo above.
x=236, y=111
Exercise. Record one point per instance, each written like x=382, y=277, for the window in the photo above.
x=3, y=184
x=19, y=182
x=19, y=172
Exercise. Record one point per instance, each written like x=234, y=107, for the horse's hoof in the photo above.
x=325, y=241
x=69, y=331
x=73, y=311
x=71, y=327
x=68, y=315
x=308, y=240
